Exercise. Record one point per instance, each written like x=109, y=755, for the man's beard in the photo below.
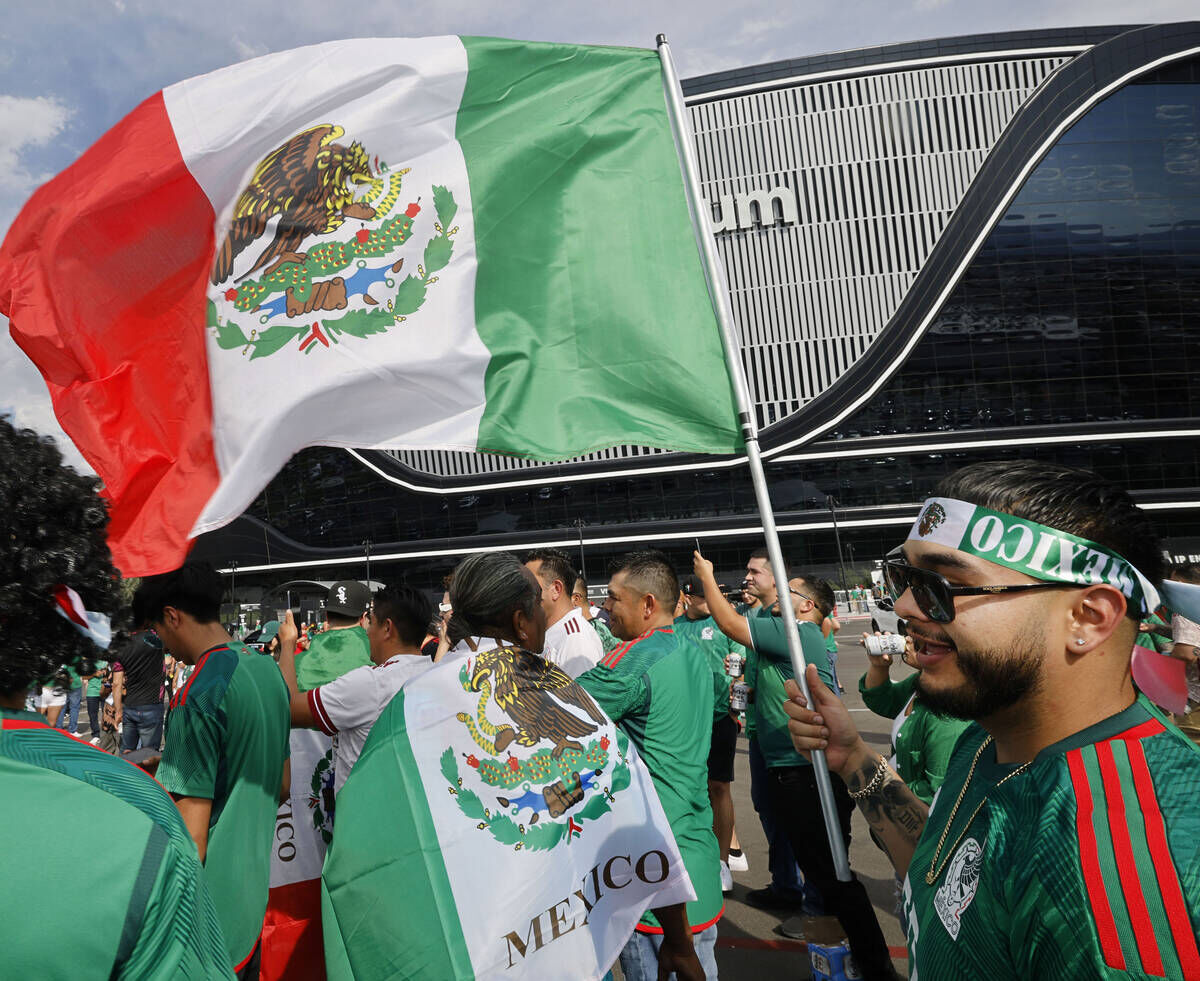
x=993, y=680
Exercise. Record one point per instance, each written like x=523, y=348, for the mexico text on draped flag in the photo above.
x=496, y=825
x=446, y=242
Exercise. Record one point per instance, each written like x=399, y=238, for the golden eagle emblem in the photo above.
x=529, y=691
x=308, y=183
x=931, y=517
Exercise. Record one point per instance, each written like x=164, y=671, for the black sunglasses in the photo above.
x=933, y=595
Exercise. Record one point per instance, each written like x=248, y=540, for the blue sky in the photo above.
x=70, y=69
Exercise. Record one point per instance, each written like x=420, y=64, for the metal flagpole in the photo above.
x=720, y=299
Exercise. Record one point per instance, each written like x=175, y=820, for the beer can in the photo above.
x=892, y=644
x=739, y=696
x=735, y=664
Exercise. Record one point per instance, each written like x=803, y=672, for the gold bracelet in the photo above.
x=875, y=783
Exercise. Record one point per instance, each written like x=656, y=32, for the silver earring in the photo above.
x=1080, y=641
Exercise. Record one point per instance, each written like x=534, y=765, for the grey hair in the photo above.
x=487, y=589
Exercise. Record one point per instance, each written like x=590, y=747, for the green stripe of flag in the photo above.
x=590, y=293
x=1144, y=863
x=1104, y=850
x=359, y=902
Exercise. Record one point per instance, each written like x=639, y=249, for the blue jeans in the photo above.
x=639, y=957
x=74, y=697
x=785, y=873
x=141, y=727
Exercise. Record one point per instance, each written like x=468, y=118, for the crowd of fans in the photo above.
x=1045, y=672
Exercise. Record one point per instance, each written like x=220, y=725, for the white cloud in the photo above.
x=246, y=50
x=26, y=123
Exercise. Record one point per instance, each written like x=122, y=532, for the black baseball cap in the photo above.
x=349, y=597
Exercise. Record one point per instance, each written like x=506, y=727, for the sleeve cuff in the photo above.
x=320, y=716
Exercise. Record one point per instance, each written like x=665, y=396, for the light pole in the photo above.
x=582, y=560
x=367, y=543
x=832, y=505
x=233, y=591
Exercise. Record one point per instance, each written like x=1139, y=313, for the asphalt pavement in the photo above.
x=748, y=948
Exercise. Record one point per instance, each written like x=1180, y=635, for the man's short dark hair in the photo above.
x=340, y=619
x=195, y=588
x=650, y=571
x=409, y=609
x=1069, y=499
x=555, y=565
x=55, y=532
x=763, y=553
x=819, y=591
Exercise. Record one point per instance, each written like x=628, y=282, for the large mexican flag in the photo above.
x=443, y=242
x=496, y=825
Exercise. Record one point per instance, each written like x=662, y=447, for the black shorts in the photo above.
x=724, y=745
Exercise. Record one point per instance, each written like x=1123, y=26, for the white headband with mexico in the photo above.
x=1046, y=553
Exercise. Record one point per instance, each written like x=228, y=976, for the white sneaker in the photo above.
x=95, y=740
x=726, y=878
x=739, y=862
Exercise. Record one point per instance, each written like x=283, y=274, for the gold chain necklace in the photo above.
x=936, y=870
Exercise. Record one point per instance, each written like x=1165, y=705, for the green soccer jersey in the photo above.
x=772, y=667
x=607, y=640
x=1086, y=865
x=149, y=913
x=330, y=655
x=707, y=636
x=95, y=683
x=658, y=688
x=227, y=742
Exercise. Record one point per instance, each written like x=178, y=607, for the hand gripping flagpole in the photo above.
x=715, y=276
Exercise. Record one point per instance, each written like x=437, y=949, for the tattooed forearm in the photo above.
x=895, y=814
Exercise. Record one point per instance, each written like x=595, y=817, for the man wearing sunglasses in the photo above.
x=1065, y=840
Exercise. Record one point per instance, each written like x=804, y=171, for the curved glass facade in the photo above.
x=1083, y=305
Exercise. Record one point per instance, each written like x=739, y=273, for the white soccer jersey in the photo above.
x=348, y=706
x=572, y=644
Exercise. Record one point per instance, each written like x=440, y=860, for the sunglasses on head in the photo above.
x=932, y=593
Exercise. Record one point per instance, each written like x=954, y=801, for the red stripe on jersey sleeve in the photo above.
x=1167, y=874
x=1151, y=727
x=1089, y=858
x=615, y=655
x=1131, y=886
x=319, y=713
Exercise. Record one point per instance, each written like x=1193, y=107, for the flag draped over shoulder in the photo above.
x=497, y=824
x=445, y=242
x=291, y=937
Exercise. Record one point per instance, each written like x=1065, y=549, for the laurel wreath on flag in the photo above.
x=541, y=836
x=295, y=283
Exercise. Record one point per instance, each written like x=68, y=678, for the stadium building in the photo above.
x=937, y=253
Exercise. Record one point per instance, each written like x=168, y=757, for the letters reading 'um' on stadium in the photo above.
x=936, y=253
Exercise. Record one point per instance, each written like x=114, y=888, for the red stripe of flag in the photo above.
x=1131, y=886
x=1089, y=858
x=123, y=350
x=1167, y=873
